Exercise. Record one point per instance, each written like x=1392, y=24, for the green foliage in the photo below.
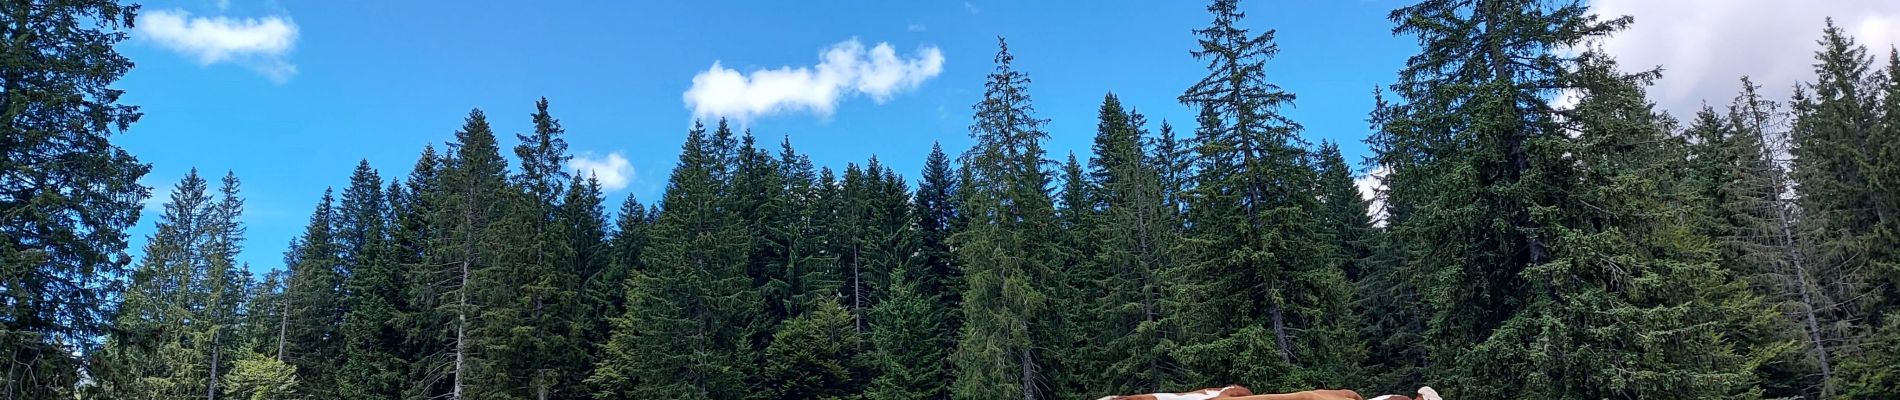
x=174, y=333
x=1541, y=231
x=1849, y=218
x=691, y=306
x=816, y=355
x=1006, y=249
x=372, y=292
x=1262, y=267
x=909, y=337
x=260, y=377
x=1631, y=304
x=67, y=194
x=313, y=301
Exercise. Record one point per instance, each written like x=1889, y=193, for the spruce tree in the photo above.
x=224, y=284
x=1074, y=358
x=474, y=268
x=1006, y=247
x=155, y=352
x=909, y=339
x=935, y=207
x=1631, y=303
x=1838, y=137
x=314, y=302
x=584, y=223
x=372, y=291
x=68, y=194
x=1467, y=172
x=1132, y=240
x=528, y=304
x=606, y=291
x=424, y=324
x=816, y=355
x=1254, y=230
x=1389, y=292
x=806, y=272
x=689, y=308
x=1741, y=186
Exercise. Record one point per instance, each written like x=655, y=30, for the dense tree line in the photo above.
x=1543, y=232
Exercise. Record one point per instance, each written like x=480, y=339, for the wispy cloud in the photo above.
x=262, y=44
x=1696, y=43
x=613, y=171
x=971, y=7
x=916, y=27
x=846, y=68
x=1372, y=188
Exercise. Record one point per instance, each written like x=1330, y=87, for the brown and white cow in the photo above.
x=1203, y=394
x=1424, y=393
x=1335, y=394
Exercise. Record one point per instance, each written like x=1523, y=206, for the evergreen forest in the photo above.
x=1541, y=230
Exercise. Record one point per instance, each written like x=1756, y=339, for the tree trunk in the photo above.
x=1279, y=334
x=461, y=333
x=211, y=390
x=1029, y=373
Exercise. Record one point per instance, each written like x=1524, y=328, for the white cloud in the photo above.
x=971, y=7
x=263, y=44
x=916, y=28
x=846, y=68
x=613, y=171
x=1704, y=46
x=1372, y=188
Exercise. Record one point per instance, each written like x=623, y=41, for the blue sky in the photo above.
x=290, y=95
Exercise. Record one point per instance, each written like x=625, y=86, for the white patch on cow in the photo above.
x=1426, y=393
x=1194, y=395
x=1386, y=397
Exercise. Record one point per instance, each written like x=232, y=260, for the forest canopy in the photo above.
x=1517, y=246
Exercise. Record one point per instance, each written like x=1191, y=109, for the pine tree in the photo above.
x=260, y=377
x=683, y=335
x=908, y=340
x=1136, y=229
x=1631, y=303
x=474, y=221
x=1074, y=361
x=1389, y=292
x=1006, y=246
x=606, y=290
x=224, y=284
x=584, y=221
x=806, y=272
x=372, y=291
x=425, y=325
x=69, y=194
x=1741, y=185
x=938, y=274
x=1850, y=222
x=314, y=303
x=528, y=304
x=153, y=353
x=1467, y=169
x=816, y=355
x=1254, y=231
